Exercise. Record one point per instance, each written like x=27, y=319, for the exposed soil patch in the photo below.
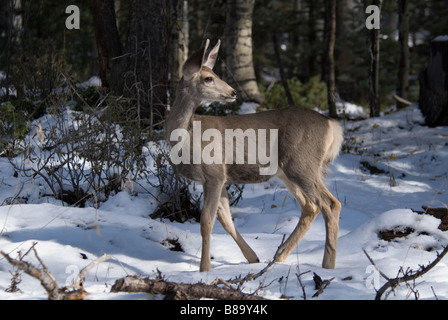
x=400, y=232
x=172, y=245
x=390, y=235
x=439, y=213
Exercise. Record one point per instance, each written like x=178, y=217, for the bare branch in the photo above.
x=78, y=283
x=408, y=275
x=376, y=267
x=250, y=276
x=48, y=281
x=299, y=278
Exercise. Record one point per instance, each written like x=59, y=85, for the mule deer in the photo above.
x=307, y=142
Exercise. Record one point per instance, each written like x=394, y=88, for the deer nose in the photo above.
x=234, y=93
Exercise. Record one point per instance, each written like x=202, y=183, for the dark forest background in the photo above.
x=137, y=47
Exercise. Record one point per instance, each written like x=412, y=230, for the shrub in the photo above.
x=80, y=155
x=13, y=127
x=312, y=94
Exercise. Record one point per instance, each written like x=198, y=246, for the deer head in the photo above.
x=201, y=81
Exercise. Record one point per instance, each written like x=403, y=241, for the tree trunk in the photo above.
x=239, y=59
x=330, y=65
x=311, y=50
x=179, y=39
x=146, y=79
x=140, y=71
x=403, y=38
x=434, y=84
x=107, y=41
x=7, y=14
x=374, y=40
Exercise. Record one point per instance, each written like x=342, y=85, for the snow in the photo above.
x=93, y=81
x=248, y=107
x=413, y=157
x=343, y=109
x=349, y=109
x=441, y=38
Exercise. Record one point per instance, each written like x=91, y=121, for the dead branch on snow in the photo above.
x=182, y=291
x=49, y=283
x=408, y=275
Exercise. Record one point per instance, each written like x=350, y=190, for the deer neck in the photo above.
x=182, y=111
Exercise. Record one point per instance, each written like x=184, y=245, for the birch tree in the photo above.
x=239, y=57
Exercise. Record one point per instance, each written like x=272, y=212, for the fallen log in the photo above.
x=180, y=291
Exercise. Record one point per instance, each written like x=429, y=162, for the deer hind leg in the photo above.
x=331, y=209
x=309, y=213
x=212, y=191
x=314, y=198
x=225, y=218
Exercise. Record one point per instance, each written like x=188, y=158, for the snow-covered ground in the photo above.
x=413, y=159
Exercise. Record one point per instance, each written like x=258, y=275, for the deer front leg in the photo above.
x=225, y=218
x=212, y=191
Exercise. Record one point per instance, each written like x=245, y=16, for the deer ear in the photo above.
x=209, y=59
x=200, y=59
x=192, y=65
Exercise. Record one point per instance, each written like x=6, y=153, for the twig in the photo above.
x=299, y=278
x=239, y=281
x=78, y=283
x=250, y=276
x=434, y=293
x=376, y=267
x=45, y=269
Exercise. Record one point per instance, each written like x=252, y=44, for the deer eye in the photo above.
x=208, y=80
